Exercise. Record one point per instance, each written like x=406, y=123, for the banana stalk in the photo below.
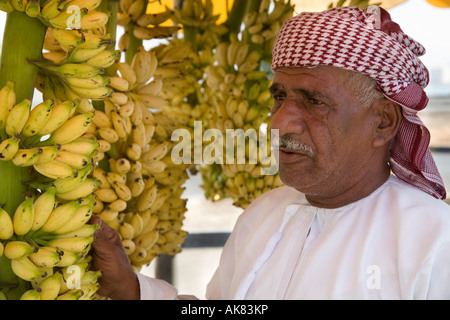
x=134, y=43
x=22, y=41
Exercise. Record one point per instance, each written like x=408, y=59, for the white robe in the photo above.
x=393, y=244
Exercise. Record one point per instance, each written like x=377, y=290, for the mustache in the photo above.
x=287, y=141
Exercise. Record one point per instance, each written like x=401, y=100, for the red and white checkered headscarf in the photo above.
x=368, y=41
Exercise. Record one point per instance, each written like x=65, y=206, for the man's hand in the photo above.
x=119, y=281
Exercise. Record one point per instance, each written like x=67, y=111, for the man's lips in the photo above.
x=289, y=155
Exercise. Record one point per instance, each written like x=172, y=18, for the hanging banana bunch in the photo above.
x=240, y=78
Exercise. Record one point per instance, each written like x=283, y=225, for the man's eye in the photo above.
x=278, y=97
x=315, y=101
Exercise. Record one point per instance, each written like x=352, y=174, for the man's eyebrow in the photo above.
x=275, y=87
x=305, y=92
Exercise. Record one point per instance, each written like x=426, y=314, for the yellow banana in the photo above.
x=78, y=220
x=87, y=187
x=93, y=41
x=93, y=20
x=122, y=166
x=60, y=216
x=108, y=134
x=26, y=270
x=98, y=93
x=71, y=129
x=6, y=225
x=73, y=244
x=9, y=148
x=133, y=151
x=156, y=152
x=87, y=83
x=70, y=183
x=146, y=198
x=153, y=167
x=81, y=54
x=33, y=8
x=154, y=18
x=75, y=70
x=122, y=191
x=17, y=117
x=143, y=63
x=24, y=216
x=7, y=102
x=72, y=294
x=126, y=231
x=106, y=194
x=27, y=157
x=136, y=9
x=19, y=249
x=48, y=154
x=43, y=207
x=104, y=59
x=31, y=294
x=89, y=5
x=81, y=145
x=45, y=258
x=101, y=119
x=85, y=230
x=119, y=83
x=148, y=239
x=55, y=170
x=59, y=114
x=68, y=258
x=119, y=125
x=19, y=5
x=49, y=288
x=72, y=159
x=52, y=8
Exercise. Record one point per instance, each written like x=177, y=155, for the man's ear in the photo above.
x=388, y=121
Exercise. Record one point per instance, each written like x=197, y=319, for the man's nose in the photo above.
x=289, y=118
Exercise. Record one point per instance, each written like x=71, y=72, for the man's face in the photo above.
x=325, y=133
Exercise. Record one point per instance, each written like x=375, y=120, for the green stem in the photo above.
x=237, y=13
x=134, y=43
x=22, y=41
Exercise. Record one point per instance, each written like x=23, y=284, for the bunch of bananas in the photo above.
x=76, y=53
x=48, y=232
x=44, y=240
x=142, y=25
x=241, y=100
x=133, y=154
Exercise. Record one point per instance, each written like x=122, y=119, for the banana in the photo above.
x=82, y=145
x=156, y=152
x=85, y=230
x=143, y=63
x=17, y=117
x=24, y=216
x=221, y=55
x=93, y=20
x=122, y=191
x=72, y=294
x=55, y=170
x=72, y=129
x=52, y=8
x=72, y=244
x=79, y=55
x=6, y=225
x=48, y=154
x=94, y=41
x=68, y=258
x=98, y=93
x=7, y=102
x=154, y=18
x=27, y=157
x=75, y=70
x=59, y=114
x=106, y=194
x=126, y=231
x=60, y=215
x=78, y=220
x=27, y=270
x=108, y=134
x=6, y=6
x=104, y=59
x=136, y=9
x=87, y=83
x=73, y=159
x=148, y=239
x=119, y=125
x=145, y=200
x=153, y=167
x=100, y=175
x=9, y=148
x=119, y=84
x=33, y=8
x=45, y=257
x=128, y=245
x=133, y=151
x=19, y=5
x=19, y=249
x=122, y=166
x=50, y=286
x=118, y=205
x=31, y=294
x=87, y=187
x=43, y=207
x=127, y=73
x=70, y=183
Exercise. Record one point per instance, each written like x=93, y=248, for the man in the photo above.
x=361, y=215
